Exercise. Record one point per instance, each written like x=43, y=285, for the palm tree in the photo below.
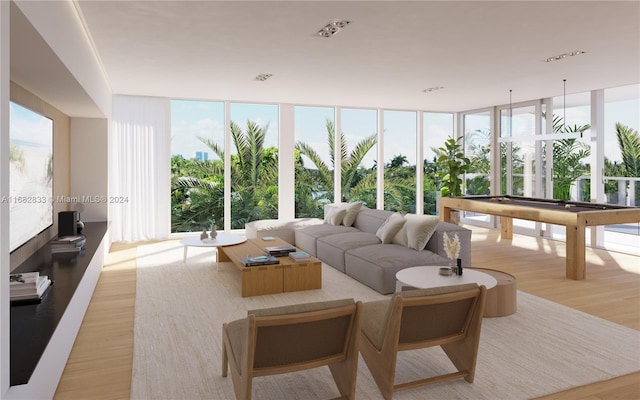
x=629, y=143
x=568, y=154
x=254, y=176
x=355, y=180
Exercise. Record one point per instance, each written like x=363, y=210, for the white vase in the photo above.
x=214, y=232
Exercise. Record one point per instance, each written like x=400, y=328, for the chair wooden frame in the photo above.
x=461, y=348
x=342, y=364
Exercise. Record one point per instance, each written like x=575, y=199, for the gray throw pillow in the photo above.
x=352, y=213
x=390, y=227
x=335, y=216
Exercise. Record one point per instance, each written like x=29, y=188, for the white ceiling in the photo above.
x=388, y=54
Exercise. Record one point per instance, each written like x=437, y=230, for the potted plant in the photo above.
x=451, y=167
x=452, y=164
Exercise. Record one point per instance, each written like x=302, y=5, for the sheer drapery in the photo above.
x=139, y=169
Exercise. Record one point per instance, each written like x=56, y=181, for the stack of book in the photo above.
x=259, y=260
x=27, y=287
x=299, y=256
x=68, y=244
x=279, y=251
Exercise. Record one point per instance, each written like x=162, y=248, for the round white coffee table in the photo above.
x=221, y=240
x=428, y=277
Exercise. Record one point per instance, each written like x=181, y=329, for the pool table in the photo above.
x=574, y=215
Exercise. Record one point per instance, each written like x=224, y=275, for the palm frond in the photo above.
x=629, y=143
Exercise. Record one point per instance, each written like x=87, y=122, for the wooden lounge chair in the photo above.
x=292, y=338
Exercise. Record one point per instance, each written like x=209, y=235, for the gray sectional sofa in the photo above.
x=358, y=251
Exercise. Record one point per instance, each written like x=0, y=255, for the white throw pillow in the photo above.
x=390, y=227
x=401, y=237
x=335, y=216
x=352, y=213
x=417, y=231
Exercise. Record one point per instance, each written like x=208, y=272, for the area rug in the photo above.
x=180, y=307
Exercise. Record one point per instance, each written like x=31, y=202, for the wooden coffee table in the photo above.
x=288, y=276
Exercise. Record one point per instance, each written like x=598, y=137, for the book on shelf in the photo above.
x=68, y=239
x=299, y=256
x=30, y=295
x=259, y=260
x=65, y=250
x=71, y=246
x=23, y=280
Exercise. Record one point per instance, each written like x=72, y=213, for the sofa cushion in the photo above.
x=306, y=237
x=390, y=228
x=284, y=229
x=417, y=231
x=331, y=248
x=376, y=265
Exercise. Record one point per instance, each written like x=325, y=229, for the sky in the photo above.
x=191, y=119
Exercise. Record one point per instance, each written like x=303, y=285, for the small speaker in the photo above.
x=67, y=223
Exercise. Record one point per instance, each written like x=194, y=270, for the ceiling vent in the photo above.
x=332, y=28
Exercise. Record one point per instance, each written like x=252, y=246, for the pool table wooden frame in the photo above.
x=574, y=221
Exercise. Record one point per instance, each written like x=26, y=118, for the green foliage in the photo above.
x=568, y=154
x=629, y=144
x=356, y=181
x=452, y=165
x=198, y=187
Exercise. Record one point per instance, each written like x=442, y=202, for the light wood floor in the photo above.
x=100, y=363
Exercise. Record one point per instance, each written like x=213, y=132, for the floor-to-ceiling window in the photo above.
x=359, y=141
x=400, y=161
x=476, y=128
x=571, y=150
x=254, y=162
x=314, y=160
x=197, y=165
x=622, y=161
x=436, y=128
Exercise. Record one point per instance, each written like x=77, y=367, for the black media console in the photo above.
x=33, y=325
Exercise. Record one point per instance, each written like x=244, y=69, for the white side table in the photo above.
x=221, y=240
x=429, y=277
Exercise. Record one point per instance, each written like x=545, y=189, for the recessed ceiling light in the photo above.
x=564, y=55
x=433, y=89
x=263, y=77
x=332, y=28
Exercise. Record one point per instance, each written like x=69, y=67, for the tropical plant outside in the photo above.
x=568, y=154
x=198, y=186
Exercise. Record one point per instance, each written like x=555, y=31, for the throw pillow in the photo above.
x=401, y=237
x=419, y=229
x=335, y=216
x=328, y=209
x=390, y=227
x=352, y=213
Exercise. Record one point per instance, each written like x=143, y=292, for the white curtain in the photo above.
x=139, y=169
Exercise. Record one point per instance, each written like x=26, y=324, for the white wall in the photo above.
x=4, y=191
x=89, y=157
x=59, y=25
